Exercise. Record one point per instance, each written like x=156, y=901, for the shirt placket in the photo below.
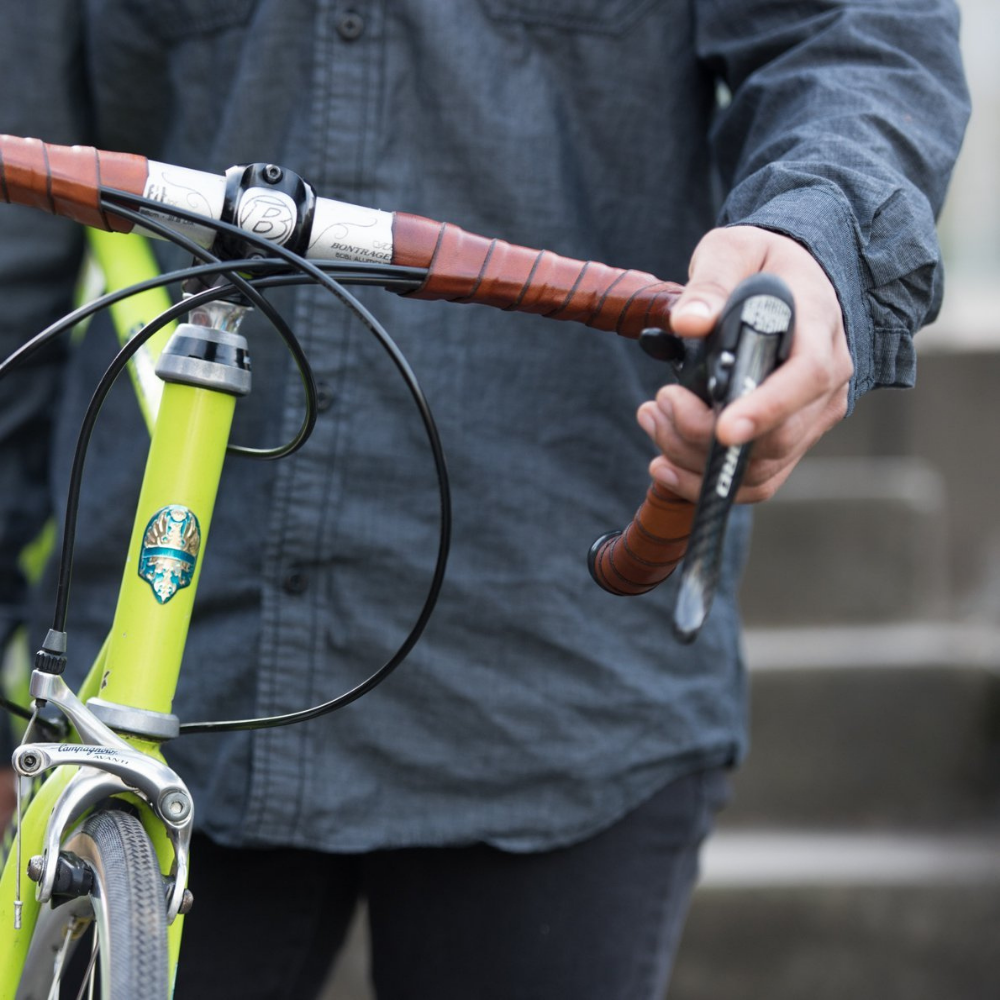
x=309, y=493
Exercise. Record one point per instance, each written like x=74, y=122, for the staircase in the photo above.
x=860, y=856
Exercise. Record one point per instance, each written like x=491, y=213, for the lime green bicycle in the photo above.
x=101, y=848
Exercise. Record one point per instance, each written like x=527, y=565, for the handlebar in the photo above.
x=275, y=203
x=80, y=182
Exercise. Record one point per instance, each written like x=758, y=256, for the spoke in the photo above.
x=59, y=960
x=72, y=932
x=88, y=981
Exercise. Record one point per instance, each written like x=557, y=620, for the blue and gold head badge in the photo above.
x=169, y=551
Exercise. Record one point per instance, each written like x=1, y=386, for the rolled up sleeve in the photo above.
x=842, y=130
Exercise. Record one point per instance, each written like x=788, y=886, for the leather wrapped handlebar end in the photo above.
x=66, y=180
x=636, y=560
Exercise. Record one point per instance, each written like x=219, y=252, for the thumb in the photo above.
x=718, y=265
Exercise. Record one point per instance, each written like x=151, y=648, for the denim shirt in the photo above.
x=537, y=709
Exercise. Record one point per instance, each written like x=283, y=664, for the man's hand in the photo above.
x=793, y=408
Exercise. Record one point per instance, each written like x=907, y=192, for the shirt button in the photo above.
x=351, y=26
x=324, y=396
x=295, y=583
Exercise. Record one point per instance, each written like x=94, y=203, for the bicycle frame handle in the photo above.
x=272, y=202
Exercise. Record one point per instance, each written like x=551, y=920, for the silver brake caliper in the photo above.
x=108, y=766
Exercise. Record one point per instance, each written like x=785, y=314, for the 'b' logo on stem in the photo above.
x=269, y=214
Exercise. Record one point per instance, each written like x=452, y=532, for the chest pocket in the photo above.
x=185, y=18
x=610, y=17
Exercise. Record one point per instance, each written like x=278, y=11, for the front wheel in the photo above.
x=122, y=920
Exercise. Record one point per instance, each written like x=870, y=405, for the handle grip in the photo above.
x=752, y=337
x=636, y=560
x=67, y=180
x=464, y=267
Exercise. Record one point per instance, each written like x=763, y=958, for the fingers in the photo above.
x=682, y=430
x=794, y=387
x=792, y=408
x=681, y=426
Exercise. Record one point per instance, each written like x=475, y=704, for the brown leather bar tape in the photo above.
x=464, y=267
x=649, y=549
x=66, y=180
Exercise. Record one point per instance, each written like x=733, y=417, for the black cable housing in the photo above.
x=276, y=266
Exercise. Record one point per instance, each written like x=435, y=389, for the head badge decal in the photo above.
x=170, y=551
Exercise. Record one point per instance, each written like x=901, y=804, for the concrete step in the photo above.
x=871, y=726
x=954, y=424
x=850, y=539
x=766, y=859
x=949, y=422
x=349, y=978
x=892, y=917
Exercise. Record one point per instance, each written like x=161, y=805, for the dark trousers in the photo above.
x=600, y=919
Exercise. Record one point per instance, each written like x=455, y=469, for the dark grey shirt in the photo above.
x=537, y=709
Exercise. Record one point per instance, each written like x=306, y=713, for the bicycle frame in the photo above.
x=140, y=663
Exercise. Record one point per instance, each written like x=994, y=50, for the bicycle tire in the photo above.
x=126, y=909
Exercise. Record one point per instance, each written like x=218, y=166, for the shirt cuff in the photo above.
x=821, y=221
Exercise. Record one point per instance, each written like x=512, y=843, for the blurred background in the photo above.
x=860, y=857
